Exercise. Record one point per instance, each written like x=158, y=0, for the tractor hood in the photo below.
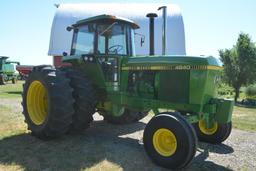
x=171, y=63
x=176, y=79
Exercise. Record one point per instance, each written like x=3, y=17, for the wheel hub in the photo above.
x=164, y=142
x=37, y=102
x=207, y=131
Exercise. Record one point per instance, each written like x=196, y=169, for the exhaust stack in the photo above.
x=164, y=8
x=151, y=17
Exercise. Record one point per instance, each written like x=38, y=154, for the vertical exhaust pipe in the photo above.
x=164, y=8
x=151, y=17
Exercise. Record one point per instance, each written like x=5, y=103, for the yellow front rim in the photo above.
x=164, y=142
x=37, y=102
x=207, y=131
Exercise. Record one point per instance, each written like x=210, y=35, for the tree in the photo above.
x=239, y=63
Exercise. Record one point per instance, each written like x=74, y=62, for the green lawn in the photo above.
x=244, y=118
x=12, y=122
x=11, y=90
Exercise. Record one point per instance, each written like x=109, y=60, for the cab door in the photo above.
x=112, y=47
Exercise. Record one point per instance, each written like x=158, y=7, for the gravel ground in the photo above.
x=123, y=146
x=238, y=152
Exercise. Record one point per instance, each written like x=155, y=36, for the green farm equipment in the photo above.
x=105, y=76
x=8, y=70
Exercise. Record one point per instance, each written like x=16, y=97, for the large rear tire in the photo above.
x=170, y=141
x=215, y=135
x=47, y=102
x=129, y=116
x=85, y=100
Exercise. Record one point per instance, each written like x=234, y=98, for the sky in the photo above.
x=25, y=26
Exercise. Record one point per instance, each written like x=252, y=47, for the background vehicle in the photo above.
x=24, y=70
x=7, y=70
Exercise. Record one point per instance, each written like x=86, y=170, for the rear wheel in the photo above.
x=14, y=80
x=215, y=135
x=85, y=100
x=2, y=81
x=47, y=102
x=128, y=116
x=170, y=141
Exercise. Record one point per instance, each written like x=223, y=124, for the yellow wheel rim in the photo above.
x=207, y=131
x=164, y=142
x=37, y=102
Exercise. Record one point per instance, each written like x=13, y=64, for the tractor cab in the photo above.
x=103, y=35
x=2, y=61
x=102, y=42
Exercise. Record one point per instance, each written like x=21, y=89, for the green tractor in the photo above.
x=7, y=70
x=105, y=76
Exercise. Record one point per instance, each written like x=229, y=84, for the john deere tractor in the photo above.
x=106, y=76
x=7, y=70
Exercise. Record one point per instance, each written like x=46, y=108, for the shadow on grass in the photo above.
x=14, y=92
x=102, y=142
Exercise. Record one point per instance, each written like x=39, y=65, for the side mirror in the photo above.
x=142, y=41
x=142, y=38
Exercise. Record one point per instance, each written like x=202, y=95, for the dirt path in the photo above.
x=12, y=103
x=111, y=147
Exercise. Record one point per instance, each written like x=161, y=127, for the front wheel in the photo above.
x=170, y=141
x=215, y=135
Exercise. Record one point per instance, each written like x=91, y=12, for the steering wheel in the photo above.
x=115, y=49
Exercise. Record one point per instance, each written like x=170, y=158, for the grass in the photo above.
x=103, y=147
x=244, y=118
x=11, y=90
x=12, y=122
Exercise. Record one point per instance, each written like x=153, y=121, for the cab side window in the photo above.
x=83, y=42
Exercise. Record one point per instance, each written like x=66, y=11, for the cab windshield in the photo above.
x=112, y=39
x=109, y=39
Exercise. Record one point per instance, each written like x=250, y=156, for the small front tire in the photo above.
x=215, y=135
x=170, y=141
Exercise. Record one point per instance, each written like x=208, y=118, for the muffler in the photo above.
x=164, y=29
x=151, y=17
